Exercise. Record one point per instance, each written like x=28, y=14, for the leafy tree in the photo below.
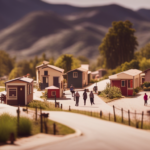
x=144, y=64
x=145, y=51
x=67, y=62
x=133, y=64
x=83, y=60
x=51, y=61
x=119, y=44
x=6, y=63
x=16, y=72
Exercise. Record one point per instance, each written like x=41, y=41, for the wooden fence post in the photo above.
x=122, y=114
x=27, y=109
x=114, y=113
x=36, y=113
x=18, y=118
x=69, y=108
x=129, y=117
x=142, y=120
x=55, y=101
x=61, y=106
x=54, y=128
x=41, y=118
x=101, y=113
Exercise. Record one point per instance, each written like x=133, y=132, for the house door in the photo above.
x=21, y=95
x=56, y=81
x=44, y=84
x=44, y=80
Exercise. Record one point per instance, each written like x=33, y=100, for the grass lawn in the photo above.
x=2, y=89
x=62, y=129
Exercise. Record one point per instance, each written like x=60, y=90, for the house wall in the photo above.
x=57, y=93
x=15, y=84
x=84, y=79
x=137, y=82
x=147, y=76
x=76, y=82
x=30, y=95
x=51, y=73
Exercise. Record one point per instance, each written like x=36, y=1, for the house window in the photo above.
x=130, y=83
x=45, y=73
x=13, y=93
x=75, y=74
x=123, y=83
x=53, y=93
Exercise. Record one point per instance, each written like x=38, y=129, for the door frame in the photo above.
x=58, y=79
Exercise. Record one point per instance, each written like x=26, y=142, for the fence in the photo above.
x=134, y=119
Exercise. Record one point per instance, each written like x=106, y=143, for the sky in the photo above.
x=132, y=4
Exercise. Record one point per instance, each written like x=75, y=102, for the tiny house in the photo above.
x=19, y=91
x=49, y=75
x=77, y=77
x=53, y=91
x=127, y=81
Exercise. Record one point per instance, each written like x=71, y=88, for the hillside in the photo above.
x=33, y=27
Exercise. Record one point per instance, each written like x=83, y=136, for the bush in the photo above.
x=146, y=88
x=146, y=84
x=93, y=81
x=7, y=126
x=25, y=126
x=111, y=92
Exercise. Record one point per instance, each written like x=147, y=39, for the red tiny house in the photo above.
x=53, y=91
x=126, y=81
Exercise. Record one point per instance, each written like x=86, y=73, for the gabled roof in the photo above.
x=51, y=66
x=80, y=69
x=29, y=80
x=146, y=70
x=52, y=87
x=95, y=72
x=131, y=72
x=85, y=66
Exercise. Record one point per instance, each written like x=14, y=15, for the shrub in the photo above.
x=146, y=84
x=25, y=126
x=39, y=104
x=93, y=81
x=7, y=126
x=111, y=92
x=146, y=88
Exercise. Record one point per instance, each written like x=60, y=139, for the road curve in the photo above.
x=98, y=135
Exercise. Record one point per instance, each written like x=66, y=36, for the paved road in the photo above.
x=98, y=135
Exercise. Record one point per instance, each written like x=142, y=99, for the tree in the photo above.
x=67, y=62
x=83, y=60
x=51, y=61
x=16, y=72
x=119, y=44
x=145, y=51
x=144, y=64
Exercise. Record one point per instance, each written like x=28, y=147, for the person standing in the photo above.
x=77, y=95
x=145, y=99
x=91, y=97
x=84, y=96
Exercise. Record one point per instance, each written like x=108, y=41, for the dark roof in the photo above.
x=146, y=70
x=80, y=69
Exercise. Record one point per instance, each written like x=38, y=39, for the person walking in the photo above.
x=77, y=95
x=72, y=90
x=84, y=97
x=145, y=99
x=91, y=97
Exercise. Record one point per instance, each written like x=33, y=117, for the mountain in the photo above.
x=145, y=13
x=32, y=27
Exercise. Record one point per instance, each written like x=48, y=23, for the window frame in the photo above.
x=75, y=76
x=45, y=71
x=52, y=93
x=130, y=84
x=13, y=97
x=124, y=83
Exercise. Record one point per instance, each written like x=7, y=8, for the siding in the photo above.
x=76, y=82
x=147, y=76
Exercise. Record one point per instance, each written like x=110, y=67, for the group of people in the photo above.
x=76, y=96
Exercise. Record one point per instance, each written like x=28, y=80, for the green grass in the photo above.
x=2, y=89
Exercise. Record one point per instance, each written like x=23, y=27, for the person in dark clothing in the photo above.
x=91, y=97
x=77, y=95
x=84, y=96
x=72, y=90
